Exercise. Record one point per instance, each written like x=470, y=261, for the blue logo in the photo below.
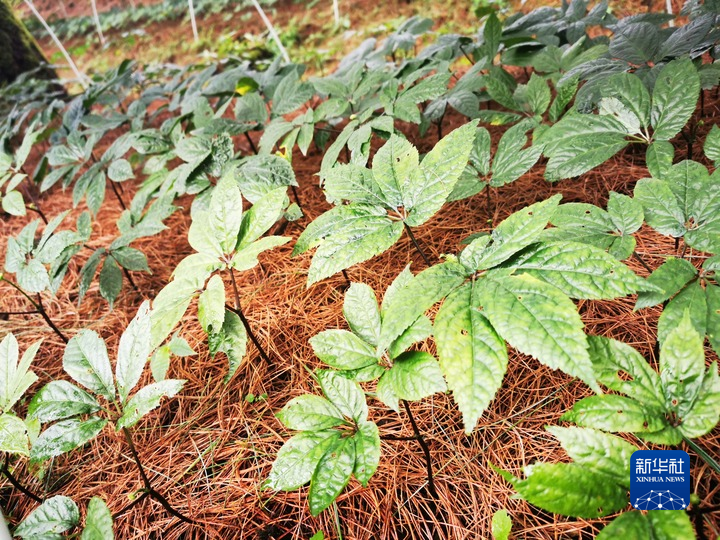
x=660, y=479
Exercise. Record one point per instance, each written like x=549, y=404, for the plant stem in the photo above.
x=488, y=198
x=425, y=448
x=417, y=246
x=296, y=195
x=8, y=313
x=639, y=259
x=146, y=481
x=237, y=310
x=38, y=307
x=17, y=485
x=250, y=142
x=347, y=278
x=117, y=195
x=130, y=279
x=707, y=458
x=34, y=208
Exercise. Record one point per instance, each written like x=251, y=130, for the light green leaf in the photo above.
x=60, y=399
x=413, y=298
x=659, y=158
x=345, y=394
x=65, y=436
x=13, y=203
x=350, y=182
x=621, y=368
x=675, y=96
x=712, y=145
x=615, y=413
x=160, y=363
x=332, y=474
x=420, y=330
x=211, y=305
x=342, y=349
x=110, y=280
x=362, y=313
x=473, y=357
x=298, y=458
x=261, y=216
x=146, y=399
x=225, y=213
x=13, y=435
x=537, y=319
x=133, y=351
x=310, y=412
x=415, y=375
x=203, y=237
x=538, y=94
x=232, y=340
x=515, y=233
x=511, y=161
x=571, y=490
x=53, y=517
x=655, y=525
x=712, y=292
x=597, y=451
x=120, y=170
x=501, y=525
x=169, y=306
x=579, y=270
x=662, y=211
x=704, y=415
x=630, y=90
x=625, y=212
x=247, y=257
x=367, y=452
x=692, y=299
x=98, y=522
x=15, y=378
x=670, y=277
x=682, y=365
x=393, y=167
x=86, y=360
x=439, y=172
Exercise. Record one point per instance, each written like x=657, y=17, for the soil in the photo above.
x=209, y=449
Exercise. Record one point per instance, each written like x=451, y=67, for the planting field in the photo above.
x=423, y=270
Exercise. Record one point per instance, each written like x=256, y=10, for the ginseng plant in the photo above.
x=226, y=240
x=336, y=438
x=79, y=415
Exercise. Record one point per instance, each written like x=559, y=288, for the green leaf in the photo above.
x=630, y=90
x=332, y=474
x=13, y=435
x=345, y=394
x=662, y=211
x=13, y=203
x=515, y=233
x=65, y=436
x=131, y=259
x=15, y=377
x=311, y=413
x=120, y=170
x=420, y=330
x=625, y=212
x=597, y=451
x=133, y=351
x=655, y=525
x=233, y=342
x=615, y=413
x=367, y=237
x=511, y=161
x=261, y=216
x=621, y=368
x=193, y=149
x=410, y=299
x=439, y=172
x=704, y=413
x=298, y=458
x=538, y=94
x=501, y=525
x=712, y=292
x=350, y=182
x=473, y=357
x=670, y=277
x=367, y=452
x=579, y=270
x=211, y=305
x=393, y=167
x=86, y=361
x=659, y=158
x=98, y=522
x=169, y=306
x=415, y=375
x=538, y=320
x=110, y=280
x=362, y=313
x=571, y=489
x=146, y=399
x=225, y=213
x=247, y=257
x=692, y=299
x=682, y=365
x=60, y=399
x=580, y=142
x=160, y=363
x=342, y=349
x=712, y=145
x=53, y=517
x=675, y=97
